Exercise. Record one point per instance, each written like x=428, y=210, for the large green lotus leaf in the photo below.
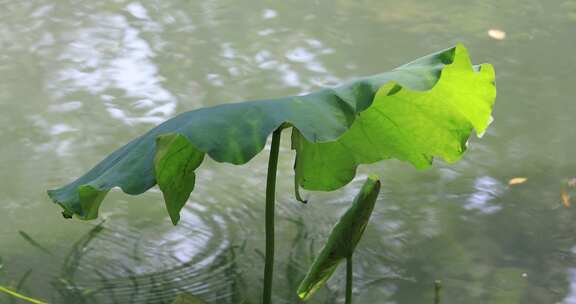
x=234, y=133
x=342, y=240
x=405, y=124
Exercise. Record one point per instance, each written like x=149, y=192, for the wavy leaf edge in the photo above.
x=83, y=196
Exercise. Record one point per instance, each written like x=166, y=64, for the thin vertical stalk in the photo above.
x=437, y=290
x=349, y=279
x=270, y=199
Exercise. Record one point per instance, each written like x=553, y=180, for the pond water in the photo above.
x=80, y=78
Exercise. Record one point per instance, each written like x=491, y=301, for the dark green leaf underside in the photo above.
x=423, y=109
x=174, y=165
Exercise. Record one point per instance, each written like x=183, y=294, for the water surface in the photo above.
x=80, y=78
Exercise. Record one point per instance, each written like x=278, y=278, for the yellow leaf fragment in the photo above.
x=517, y=181
x=497, y=34
x=565, y=199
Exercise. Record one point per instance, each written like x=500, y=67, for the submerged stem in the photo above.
x=349, y=279
x=20, y=296
x=270, y=198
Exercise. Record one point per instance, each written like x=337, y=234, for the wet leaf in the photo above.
x=424, y=109
x=342, y=240
x=517, y=181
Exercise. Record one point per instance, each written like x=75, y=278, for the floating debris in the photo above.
x=517, y=181
x=497, y=34
x=565, y=199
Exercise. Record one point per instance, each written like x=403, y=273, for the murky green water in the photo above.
x=80, y=78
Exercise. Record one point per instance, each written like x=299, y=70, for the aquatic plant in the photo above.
x=342, y=242
x=20, y=296
x=424, y=109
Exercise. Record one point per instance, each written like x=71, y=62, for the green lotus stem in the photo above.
x=349, y=278
x=20, y=296
x=270, y=198
x=437, y=290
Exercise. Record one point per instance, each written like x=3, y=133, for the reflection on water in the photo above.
x=487, y=188
x=109, y=55
x=79, y=78
x=120, y=267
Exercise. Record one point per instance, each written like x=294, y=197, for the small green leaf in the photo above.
x=174, y=165
x=342, y=240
